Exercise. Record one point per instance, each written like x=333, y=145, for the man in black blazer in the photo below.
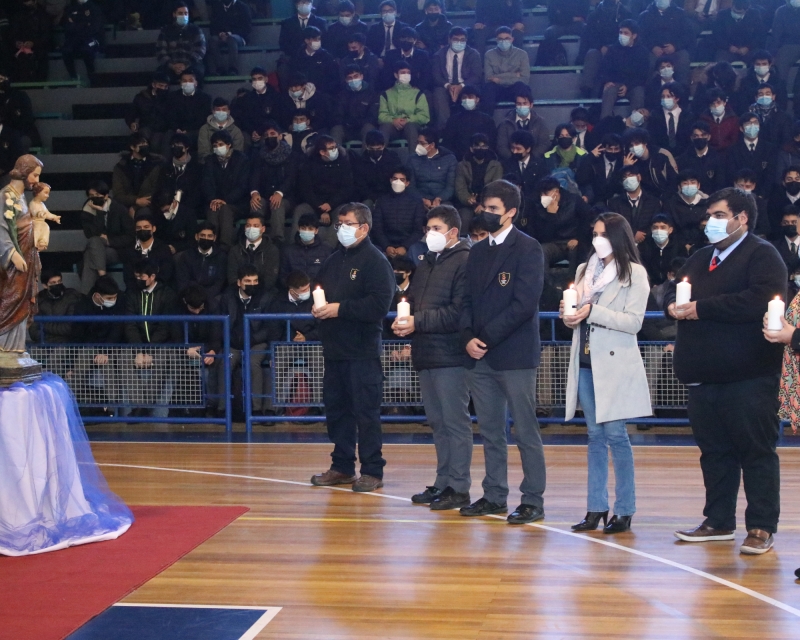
x=599, y=173
x=671, y=126
x=454, y=67
x=783, y=194
x=788, y=244
x=751, y=152
x=418, y=60
x=384, y=36
x=291, y=37
x=500, y=330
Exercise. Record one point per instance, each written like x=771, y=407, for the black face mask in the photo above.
x=793, y=188
x=565, y=143
x=177, y=152
x=433, y=17
x=519, y=157
x=98, y=201
x=205, y=244
x=375, y=154
x=488, y=221
x=612, y=157
x=479, y=154
x=399, y=278
x=789, y=230
x=144, y=151
x=406, y=46
x=250, y=289
x=143, y=235
x=271, y=143
x=699, y=143
x=56, y=290
x=141, y=285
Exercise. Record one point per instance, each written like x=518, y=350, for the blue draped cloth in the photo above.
x=52, y=493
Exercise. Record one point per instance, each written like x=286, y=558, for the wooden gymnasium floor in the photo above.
x=358, y=566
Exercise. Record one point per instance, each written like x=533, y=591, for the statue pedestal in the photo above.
x=18, y=367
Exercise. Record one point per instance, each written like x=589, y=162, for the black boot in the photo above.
x=618, y=524
x=591, y=520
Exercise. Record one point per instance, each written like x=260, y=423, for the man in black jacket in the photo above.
x=255, y=108
x=225, y=181
x=667, y=32
x=702, y=159
x=418, y=61
x=205, y=265
x=316, y=63
x=454, y=68
x=399, y=217
x=55, y=300
x=307, y=253
x=732, y=371
x=359, y=55
x=146, y=245
x=255, y=250
x=660, y=248
x=135, y=175
x=247, y=297
x=599, y=173
x=359, y=285
x=384, y=36
x=373, y=168
x=295, y=299
x=83, y=31
x=230, y=29
x=188, y=107
x=635, y=204
x=291, y=36
x=339, y=33
x=789, y=242
x=752, y=152
x=500, y=330
x=465, y=123
x=657, y=166
x=785, y=193
x=525, y=166
x=356, y=108
x=436, y=295
x=148, y=114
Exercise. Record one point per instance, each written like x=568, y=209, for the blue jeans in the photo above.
x=601, y=437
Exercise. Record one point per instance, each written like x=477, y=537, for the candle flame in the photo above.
x=777, y=297
x=686, y=279
x=402, y=299
x=318, y=288
x=571, y=285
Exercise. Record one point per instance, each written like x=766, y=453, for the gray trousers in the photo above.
x=590, y=85
x=493, y=392
x=446, y=399
x=225, y=220
x=410, y=132
x=788, y=54
x=223, y=56
x=96, y=257
x=237, y=381
x=276, y=217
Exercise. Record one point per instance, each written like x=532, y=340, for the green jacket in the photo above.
x=404, y=101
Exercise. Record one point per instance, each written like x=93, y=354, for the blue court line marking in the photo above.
x=670, y=563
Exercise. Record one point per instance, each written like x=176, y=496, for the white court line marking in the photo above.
x=250, y=634
x=670, y=563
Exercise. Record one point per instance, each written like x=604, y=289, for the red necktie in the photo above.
x=714, y=263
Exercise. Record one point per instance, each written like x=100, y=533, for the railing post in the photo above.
x=226, y=364
x=247, y=392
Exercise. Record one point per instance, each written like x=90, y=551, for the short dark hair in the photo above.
x=579, y=113
x=311, y=32
x=523, y=137
x=676, y=89
x=408, y=32
x=221, y=136
x=106, y=286
x=792, y=169
x=662, y=217
x=255, y=216
x=547, y=184
x=403, y=263
x=478, y=138
x=500, y=30
x=207, y=226
x=146, y=267
x=181, y=138
x=194, y=296
x=179, y=4
x=144, y=216
x=219, y=101
x=404, y=170
x=352, y=68
x=271, y=125
x=297, y=280
x=611, y=140
x=245, y=271
x=738, y=202
x=447, y=214
x=400, y=65
x=506, y=192
x=523, y=91
x=677, y=264
x=357, y=37
x=714, y=94
x=565, y=125
x=790, y=210
x=457, y=31
x=689, y=174
x=374, y=138
x=702, y=125
x=345, y=5
x=760, y=54
x=631, y=170
x=261, y=71
x=745, y=174
x=49, y=273
x=308, y=220
x=476, y=224
x=430, y=134
x=321, y=143
x=98, y=185
x=636, y=134
x=387, y=3
x=629, y=24
x=160, y=77
x=471, y=90
x=361, y=211
x=747, y=117
x=297, y=80
x=135, y=139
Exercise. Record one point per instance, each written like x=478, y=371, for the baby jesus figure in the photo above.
x=39, y=213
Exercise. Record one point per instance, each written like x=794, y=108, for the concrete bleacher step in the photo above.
x=74, y=171
x=66, y=201
x=55, y=132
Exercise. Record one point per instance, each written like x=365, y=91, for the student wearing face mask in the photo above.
x=454, y=67
x=635, y=204
x=403, y=267
x=665, y=30
x=664, y=73
x=307, y=253
x=737, y=31
x=291, y=35
x=752, y=152
x=359, y=286
x=656, y=165
x=383, y=36
x=135, y=176
x=433, y=27
x=204, y=265
x=398, y=217
x=373, y=168
x=784, y=194
x=357, y=53
x=671, y=124
x=660, y=248
x=565, y=155
x=789, y=241
x=732, y=372
x=433, y=170
x=785, y=38
x=255, y=107
x=686, y=205
x=437, y=353
x=316, y=63
x=143, y=245
x=225, y=186
x=606, y=375
x=338, y=34
x=403, y=109
x=747, y=180
x=470, y=120
x=187, y=107
x=294, y=298
x=760, y=70
x=523, y=117
x=230, y=28
x=255, y=249
x=721, y=120
x=301, y=94
x=478, y=168
x=56, y=300
x=147, y=113
x=776, y=124
x=701, y=158
x=181, y=44
x=219, y=120
x=356, y=108
x=599, y=172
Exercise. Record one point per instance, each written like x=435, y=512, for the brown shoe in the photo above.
x=367, y=483
x=703, y=533
x=757, y=542
x=330, y=478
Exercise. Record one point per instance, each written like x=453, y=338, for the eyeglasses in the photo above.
x=339, y=225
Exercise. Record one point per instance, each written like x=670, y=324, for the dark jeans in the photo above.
x=352, y=391
x=493, y=92
x=73, y=49
x=557, y=251
x=736, y=427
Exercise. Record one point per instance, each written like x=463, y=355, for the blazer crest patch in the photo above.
x=504, y=278
x=353, y=273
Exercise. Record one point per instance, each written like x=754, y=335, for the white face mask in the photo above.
x=347, y=235
x=761, y=69
x=602, y=247
x=252, y=233
x=436, y=241
x=716, y=230
x=660, y=236
x=637, y=118
x=630, y=183
x=221, y=151
x=421, y=150
x=302, y=297
x=796, y=281
x=398, y=186
x=259, y=85
x=345, y=20
x=404, y=78
x=718, y=111
x=546, y=201
x=316, y=45
x=638, y=150
x=188, y=87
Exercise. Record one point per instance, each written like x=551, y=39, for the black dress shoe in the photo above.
x=590, y=522
x=797, y=573
x=525, y=513
x=427, y=496
x=450, y=499
x=483, y=507
x=618, y=524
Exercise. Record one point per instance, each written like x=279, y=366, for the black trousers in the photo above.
x=736, y=427
x=352, y=391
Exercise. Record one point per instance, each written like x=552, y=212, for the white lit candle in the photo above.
x=403, y=311
x=775, y=312
x=683, y=293
x=570, y=301
x=319, y=298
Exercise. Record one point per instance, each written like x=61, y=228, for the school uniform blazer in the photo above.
x=501, y=301
x=620, y=382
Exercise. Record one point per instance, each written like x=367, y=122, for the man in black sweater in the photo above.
x=732, y=372
x=373, y=168
x=255, y=250
x=359, y=285
x=307, y=254
x=399, y=217
x=436, y=295
x=660, y=248
x=230, y=28
x=226, y=178
x=204, y=265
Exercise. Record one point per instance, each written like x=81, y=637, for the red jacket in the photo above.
x=726, y=133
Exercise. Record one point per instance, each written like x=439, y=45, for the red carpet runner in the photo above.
x=48, y=596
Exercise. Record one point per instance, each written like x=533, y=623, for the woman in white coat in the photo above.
x=606, y=372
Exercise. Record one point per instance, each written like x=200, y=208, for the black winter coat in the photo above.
x=149, y=111
x=281, y=304
x=265, y=259
x=436, y=294
x=56, y=332
x=228, y=183
x=252, y=111
x=354, y=109
x=101, y=331
x=328, y=182
x=210, y=272
x=671, y=27
x=307, y=258
x=462, y=125
x=159, y=252
x=373, y=178
x=179, y=232
x=235, y=19
x=397, y=219
x=187, y=113
x=230, y=304
x=163, y=302
x=116, y=223
x=657, y=260
x=321, y=69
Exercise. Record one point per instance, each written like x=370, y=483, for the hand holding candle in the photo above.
x=775, y=313
x=319, y=298
x=403, y=311
x=570, y=301
x=683, y=293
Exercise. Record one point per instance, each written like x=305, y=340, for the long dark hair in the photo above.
x=620, y=235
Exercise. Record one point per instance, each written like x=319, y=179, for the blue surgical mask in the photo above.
x=631, y=183
x=468, y=103
x=346, y=20
x=252, y=233
x=307, y=236
x=761, y=69
x=355, y=84
x=764, y=101
x=662, y=5
x=333, y=154
x=458, y=46
x=718, y=111
x=296, y=94
x=299, y=126
x=304, y=9
x=504, y=45
x=666, y=72
x=220, y=116
x=188, y=87
x=716, y=230
x=795, y=3
x=751, y=131
x=624, y=40
x=637, y=118
x=689, y=190
x=660, y=236
x=347, y=235
x=638, y=150
x=523, y=112
x=668, y=103
x=181, y=21
x=390, y=17
x=737, y=16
